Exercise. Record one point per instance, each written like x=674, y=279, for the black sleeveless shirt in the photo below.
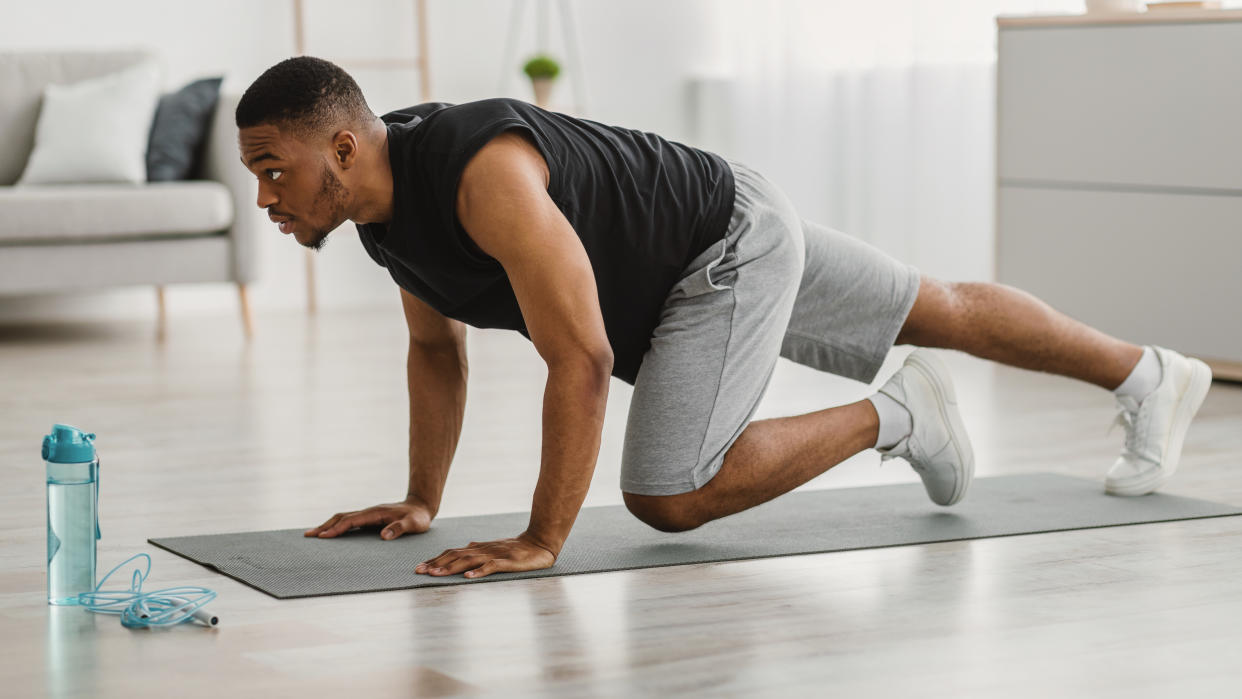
x=643, y=206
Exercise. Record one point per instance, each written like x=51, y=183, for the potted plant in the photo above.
x=542, y=70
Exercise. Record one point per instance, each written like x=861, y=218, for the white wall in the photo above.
x=638, y=57
x=876, y=120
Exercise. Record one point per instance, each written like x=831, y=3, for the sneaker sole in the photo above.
x=938, y=375
x=1192, y=399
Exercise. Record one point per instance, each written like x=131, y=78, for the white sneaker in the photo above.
x=937, y=446
x=1156, y=426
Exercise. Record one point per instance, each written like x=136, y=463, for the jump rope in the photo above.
x=139, y=610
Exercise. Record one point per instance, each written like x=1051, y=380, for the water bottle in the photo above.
x=72, y=513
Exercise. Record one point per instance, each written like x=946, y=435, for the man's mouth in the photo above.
x=285, y=223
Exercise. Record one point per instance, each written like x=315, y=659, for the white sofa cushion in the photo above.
x=95, y=130
x=97, y=212
x=23, y=77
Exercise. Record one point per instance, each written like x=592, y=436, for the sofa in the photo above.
x=81, y=236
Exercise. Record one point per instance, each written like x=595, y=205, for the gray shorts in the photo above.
x=776, y=285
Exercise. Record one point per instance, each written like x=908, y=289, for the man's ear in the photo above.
x=345, y=148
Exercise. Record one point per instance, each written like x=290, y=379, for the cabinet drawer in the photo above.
x=1148, y=268
x=1153, y=104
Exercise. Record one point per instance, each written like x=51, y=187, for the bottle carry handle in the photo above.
x=98, y=480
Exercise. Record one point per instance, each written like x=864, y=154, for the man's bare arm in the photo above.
x=436, y=371
x=504, y=205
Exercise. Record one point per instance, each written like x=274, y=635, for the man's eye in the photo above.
x=275, y=174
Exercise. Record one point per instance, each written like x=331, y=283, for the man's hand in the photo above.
x=482, y=559
x=411, y=516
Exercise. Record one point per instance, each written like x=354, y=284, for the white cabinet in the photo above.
x=1119, y=175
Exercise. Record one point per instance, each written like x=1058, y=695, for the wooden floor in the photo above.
x=205, y=434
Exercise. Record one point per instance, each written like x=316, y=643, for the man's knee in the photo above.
x=934, y=315
x=667, y=513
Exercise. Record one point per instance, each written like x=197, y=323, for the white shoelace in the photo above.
x=1129, y=419
x=889, y=457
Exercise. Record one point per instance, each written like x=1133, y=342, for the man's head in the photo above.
x=302, y=126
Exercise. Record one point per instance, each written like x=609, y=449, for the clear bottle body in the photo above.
x=71, y=522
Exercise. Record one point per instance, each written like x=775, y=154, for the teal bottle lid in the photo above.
x=68, y=445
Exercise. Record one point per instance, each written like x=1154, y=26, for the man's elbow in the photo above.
x=599, y=362
x=595, y=363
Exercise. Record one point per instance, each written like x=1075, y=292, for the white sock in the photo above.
x=1144, y=378
x=895, y=421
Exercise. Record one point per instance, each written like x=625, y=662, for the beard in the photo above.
x=331, y=198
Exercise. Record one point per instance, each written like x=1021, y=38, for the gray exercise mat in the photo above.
x=285, y=564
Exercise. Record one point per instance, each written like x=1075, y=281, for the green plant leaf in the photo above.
x=541, y=66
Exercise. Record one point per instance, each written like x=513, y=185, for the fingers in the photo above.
x=463, y=563
x=398, y=517
x=495, y=565
x=481, y=560
x=394, y=530
x=342, y=523
x=331, y=520
x=440, y=564
x=454, y=561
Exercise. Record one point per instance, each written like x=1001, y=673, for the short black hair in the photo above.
x=304, y=94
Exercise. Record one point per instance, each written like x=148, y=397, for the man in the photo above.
x=619, y=253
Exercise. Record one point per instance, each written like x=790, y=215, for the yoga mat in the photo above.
x=285, y=564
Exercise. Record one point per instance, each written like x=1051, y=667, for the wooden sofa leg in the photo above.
x=247, y=323
x=161, y=315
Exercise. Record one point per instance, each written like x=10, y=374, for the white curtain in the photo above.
x=875, y=116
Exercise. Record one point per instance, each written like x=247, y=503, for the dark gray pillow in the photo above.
x=179, y=132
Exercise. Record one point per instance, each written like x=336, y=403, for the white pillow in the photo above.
x=95, y=130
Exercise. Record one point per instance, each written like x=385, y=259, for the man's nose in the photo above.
x=266, y=197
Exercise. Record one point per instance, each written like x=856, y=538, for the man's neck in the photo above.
x=374, y=196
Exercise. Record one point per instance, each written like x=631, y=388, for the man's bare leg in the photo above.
x=991, y=321
x=771, y=457
x=1013, y=327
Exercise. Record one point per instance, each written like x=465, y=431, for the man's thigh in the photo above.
x=852, y=302
x=713, y=353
